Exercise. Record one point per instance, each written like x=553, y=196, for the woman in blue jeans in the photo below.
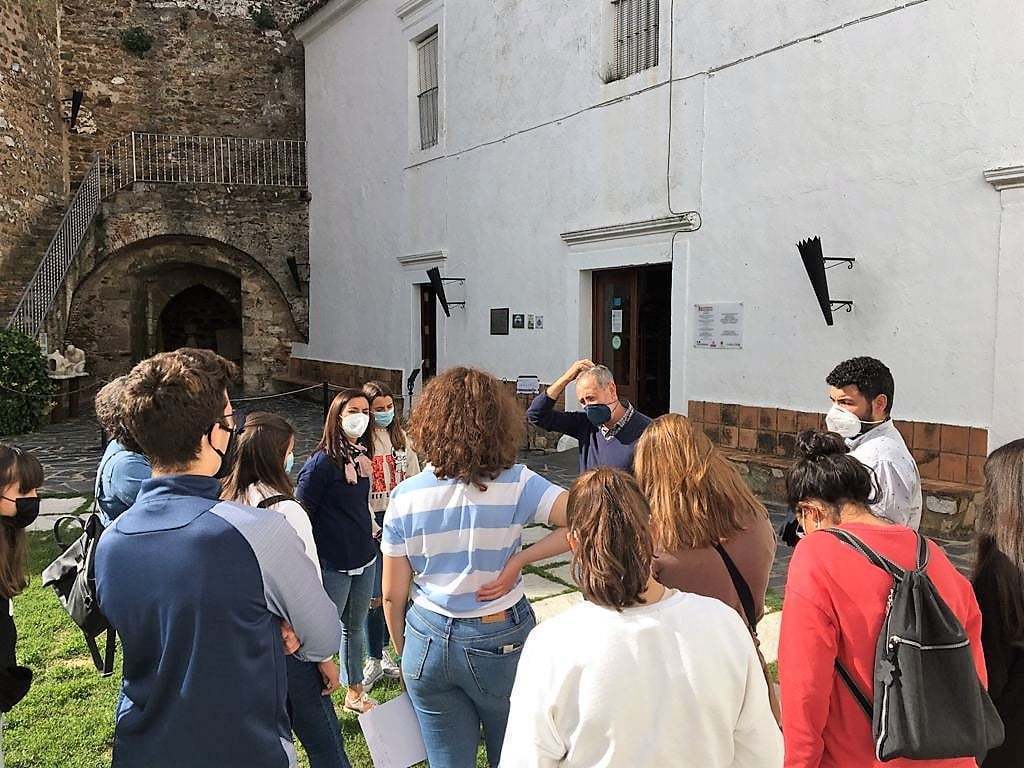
x=454, y=533
x=334, y=487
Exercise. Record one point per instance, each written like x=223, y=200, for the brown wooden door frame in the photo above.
x=428, y=332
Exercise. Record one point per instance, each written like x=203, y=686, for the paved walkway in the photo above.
x=70, y=452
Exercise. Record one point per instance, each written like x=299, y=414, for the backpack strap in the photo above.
x=876, y=559
x=742, y=588
x=858, y=694
x=922, y=552
x=272, y=500
x=105, y=663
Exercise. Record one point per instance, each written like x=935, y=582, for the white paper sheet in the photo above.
x=393, y=734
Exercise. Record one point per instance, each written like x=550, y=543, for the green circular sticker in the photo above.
x=616, y=342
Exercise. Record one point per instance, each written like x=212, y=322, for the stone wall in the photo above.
x=149, y=241
x=210, y=71
x=32, y=174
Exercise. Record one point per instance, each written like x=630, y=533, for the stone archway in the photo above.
x=200, y=317
x=157, y=292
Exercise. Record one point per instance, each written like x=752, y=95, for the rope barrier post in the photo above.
x=327, y=399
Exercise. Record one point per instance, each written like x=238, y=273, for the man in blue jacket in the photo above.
x=607, y=429
x=197, y=589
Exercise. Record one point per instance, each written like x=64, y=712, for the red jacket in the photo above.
x=834, y=606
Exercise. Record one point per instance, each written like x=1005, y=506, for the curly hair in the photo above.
x=608, y=522
x=468, y=425
x=869, y=375
x=698, y=498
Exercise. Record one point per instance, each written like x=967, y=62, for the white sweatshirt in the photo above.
x=293, y=513
x=676, y=683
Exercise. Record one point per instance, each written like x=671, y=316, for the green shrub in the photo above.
x=263, y=17
x=137, y=40
x=23, y=371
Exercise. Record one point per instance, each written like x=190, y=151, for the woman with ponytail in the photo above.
x=639, y=674
x=835, y=603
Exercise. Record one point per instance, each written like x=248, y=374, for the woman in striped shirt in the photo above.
x=449, y=533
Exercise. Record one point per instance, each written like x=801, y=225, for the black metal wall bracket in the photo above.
x=837, y=262
x=847, y=305
x=460, y=281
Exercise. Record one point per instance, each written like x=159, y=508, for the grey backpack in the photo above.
x=928, y=701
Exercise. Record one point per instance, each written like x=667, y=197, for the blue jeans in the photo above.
x=459, y=675
x=313, y=717
x=376, y=628
x=351, y=596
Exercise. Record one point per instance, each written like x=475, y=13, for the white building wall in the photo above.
x=790, y=118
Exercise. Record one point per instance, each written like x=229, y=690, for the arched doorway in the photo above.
x=200, y=317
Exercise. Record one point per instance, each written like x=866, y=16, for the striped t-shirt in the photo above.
x=458, y=538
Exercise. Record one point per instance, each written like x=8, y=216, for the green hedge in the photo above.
x=25, y=390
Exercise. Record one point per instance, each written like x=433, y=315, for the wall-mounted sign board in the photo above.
x=499, y=322
x=718, y=325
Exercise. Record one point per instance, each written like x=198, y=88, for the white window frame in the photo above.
x=421, y=19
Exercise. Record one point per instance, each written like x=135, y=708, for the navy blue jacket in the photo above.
x=596, y=450
x=196, y=590
x=339, y=512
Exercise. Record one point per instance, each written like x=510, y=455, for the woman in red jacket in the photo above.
x=835, y=602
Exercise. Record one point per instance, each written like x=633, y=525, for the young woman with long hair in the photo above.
x=703, y=516
x=451, y=530
x=612, y=680
x=999, y=587
x=262, y=458
x=836, y=602
x=394, y=460
x=334, y=488
x=21, y=474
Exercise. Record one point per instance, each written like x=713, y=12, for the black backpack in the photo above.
x=73, y=577
x=928, y=703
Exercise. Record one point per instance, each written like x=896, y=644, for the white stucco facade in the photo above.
x=867, y=122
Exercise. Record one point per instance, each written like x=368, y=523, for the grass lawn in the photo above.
x=67, y=719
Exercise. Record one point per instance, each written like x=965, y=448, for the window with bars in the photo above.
x=426, y=51
x=635, y=36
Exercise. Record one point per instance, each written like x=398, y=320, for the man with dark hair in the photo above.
x=861, y=390
x=197, y=589
x=123, y=467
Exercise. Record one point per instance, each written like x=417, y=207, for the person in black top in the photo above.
x=999, y=586
x=21, y=474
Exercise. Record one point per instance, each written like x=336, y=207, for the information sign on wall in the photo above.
x=718, y=326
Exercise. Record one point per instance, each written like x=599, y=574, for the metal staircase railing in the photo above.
x=154, y=158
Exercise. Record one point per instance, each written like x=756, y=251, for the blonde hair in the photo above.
x=608, y=521
x=697, y=497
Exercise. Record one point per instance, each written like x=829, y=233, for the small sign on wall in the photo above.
x=518, y=322
x=499, y=322
x=718, y=325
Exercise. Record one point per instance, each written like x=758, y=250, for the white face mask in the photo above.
x=841, y=421
x=355, y=424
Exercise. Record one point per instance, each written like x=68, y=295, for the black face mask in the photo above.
x=225, y=456
x=26, y=512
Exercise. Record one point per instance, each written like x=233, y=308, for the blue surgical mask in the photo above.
x=383, y=419
x=289, y=462
x=599, y=414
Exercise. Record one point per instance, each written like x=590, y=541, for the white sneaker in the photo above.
x=372, y=673
x=391, y=669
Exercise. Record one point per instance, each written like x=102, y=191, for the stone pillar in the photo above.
x=1007, y=421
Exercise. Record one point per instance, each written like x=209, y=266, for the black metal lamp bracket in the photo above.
x=847, y=305
x=460, y=281
x=837, y=262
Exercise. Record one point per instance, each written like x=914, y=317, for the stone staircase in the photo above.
x=20, y=264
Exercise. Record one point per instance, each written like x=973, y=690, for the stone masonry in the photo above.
x=32, y=165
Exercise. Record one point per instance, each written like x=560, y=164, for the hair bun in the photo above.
x=812, y=443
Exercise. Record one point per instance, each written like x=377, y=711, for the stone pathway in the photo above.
x=70, y=452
